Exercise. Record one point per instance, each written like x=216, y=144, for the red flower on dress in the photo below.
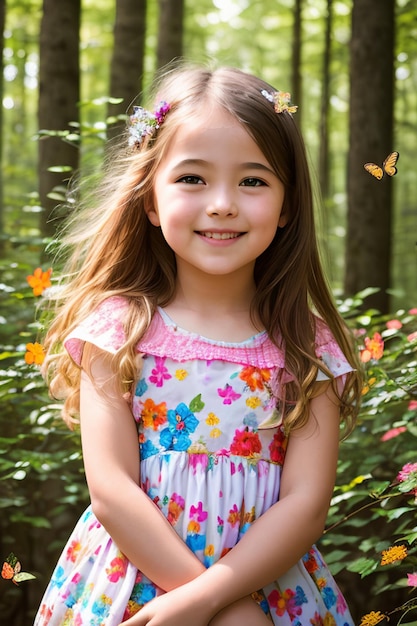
x=278, y=446
x=245, y=443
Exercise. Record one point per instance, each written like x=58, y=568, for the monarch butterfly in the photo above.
x=388, y=166
x=11, y=570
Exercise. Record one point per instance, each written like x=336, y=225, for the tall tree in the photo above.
x=128, y=57
x=170, y=31
x=2, y=24
x=59, y=94
x=368, y=244
x=325, y=101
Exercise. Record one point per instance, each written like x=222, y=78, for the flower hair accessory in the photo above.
x=143, y=123
x=281, y=101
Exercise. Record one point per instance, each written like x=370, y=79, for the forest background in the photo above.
x=71, y=70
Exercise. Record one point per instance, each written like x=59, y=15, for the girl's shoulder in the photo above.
x=104, y=328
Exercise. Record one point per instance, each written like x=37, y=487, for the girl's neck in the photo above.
x=217, y=308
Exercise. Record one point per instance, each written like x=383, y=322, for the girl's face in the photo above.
x=216, y=198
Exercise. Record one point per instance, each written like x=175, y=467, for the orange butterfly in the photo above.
x=11, y=570
x=388, y=166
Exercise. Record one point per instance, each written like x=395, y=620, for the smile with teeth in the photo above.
x=211, y=235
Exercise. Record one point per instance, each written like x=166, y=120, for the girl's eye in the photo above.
x=190, y=180
x=252, y=182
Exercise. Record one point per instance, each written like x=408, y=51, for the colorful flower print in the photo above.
x=229, y=394
x=159, y=373
x=289, y=601
x=181, y=374
x=254, y=377
x=175, y=508
x=147, y=449
x=329, y=597
x=117, y=569
x=141, y=387
x=245, y=443
x=234, y=516
x=73, y=550
x=101, y=608
x=196, y=512
x=181, y=422
x=153, y=415
x=310, y=562
x=278, y=446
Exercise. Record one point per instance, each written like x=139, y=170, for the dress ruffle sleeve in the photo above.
x=103, y=328
x=330, y=353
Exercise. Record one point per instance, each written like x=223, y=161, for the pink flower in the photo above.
x=394, y=324
x=413, y=311
x=412, y=337
x=394, y=432
x=198, y=513
x=229, y=394
x=406, y=471
x=412, y=579
x=412, y=405
x=160, y=372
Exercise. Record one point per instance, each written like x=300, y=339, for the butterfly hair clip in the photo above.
x=388, y=166
x=11, y=570
x=281, y=101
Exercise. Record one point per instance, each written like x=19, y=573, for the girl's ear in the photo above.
x=152, y=213
x=283, y=219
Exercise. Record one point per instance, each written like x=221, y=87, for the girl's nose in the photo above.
x=222, y=204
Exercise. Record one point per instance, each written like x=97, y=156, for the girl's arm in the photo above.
x=111, y=460
x=137, y=526
x=280, y=537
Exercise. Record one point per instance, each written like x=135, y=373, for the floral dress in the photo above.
x=212, y=452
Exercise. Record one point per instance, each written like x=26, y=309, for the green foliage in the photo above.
x=374, y=505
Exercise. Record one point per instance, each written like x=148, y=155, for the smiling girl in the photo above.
x=209, y=369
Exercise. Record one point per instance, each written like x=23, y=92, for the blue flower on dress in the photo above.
x=196, y=542
x=143, y=593
x=181, y=422
x=147, y=449
x=329, y=597
x=141, y=387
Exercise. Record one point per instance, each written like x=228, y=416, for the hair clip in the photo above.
x=144, y=123
x=280, y=100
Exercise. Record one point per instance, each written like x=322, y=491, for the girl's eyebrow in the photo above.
x=250, y=165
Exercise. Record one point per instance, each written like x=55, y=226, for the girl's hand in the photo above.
x=175, y=608
x=171, y=610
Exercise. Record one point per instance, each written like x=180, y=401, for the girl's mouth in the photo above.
x=212, y=235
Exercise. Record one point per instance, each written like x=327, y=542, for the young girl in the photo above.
x=195, y=315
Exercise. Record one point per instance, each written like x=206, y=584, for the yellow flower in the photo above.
x=209, y=550
x=395, y=553
x=39, y=280
x=212, y=419
x=372, y=618
x=181, y=374
x=253, y=402
x=35, y=354
x=215, y=432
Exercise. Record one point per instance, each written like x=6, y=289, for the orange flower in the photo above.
x=374, y=348
x=39, y=280
x=372, y=618
x=35, y=354
x=395, y=553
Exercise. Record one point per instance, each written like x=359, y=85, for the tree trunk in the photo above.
x=127, y=60
x=296, y=82
x=170, y=31
x=368, y=245
x=59, y=94
x=324, y=112
x=2, y=218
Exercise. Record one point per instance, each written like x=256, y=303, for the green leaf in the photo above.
x=196, y=404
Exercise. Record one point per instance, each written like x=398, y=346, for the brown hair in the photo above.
x=116, y=250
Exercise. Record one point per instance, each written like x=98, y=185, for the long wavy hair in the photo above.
x=115, y=250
